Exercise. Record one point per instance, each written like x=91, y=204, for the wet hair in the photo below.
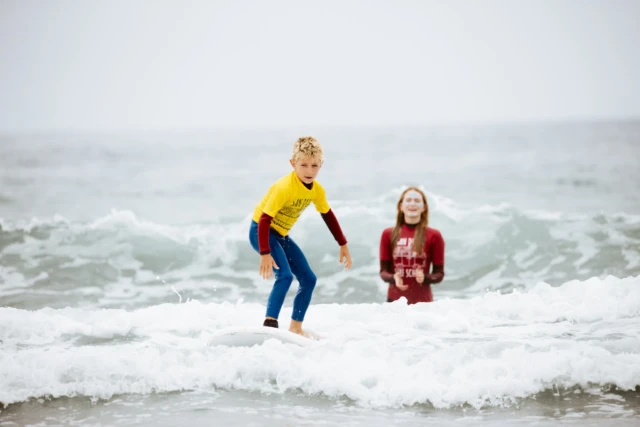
x=419, y=236
x=307, y=146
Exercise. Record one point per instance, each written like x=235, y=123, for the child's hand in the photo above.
x=345, y=257
x=419, y=275
x=398, y=279
x=267, y=264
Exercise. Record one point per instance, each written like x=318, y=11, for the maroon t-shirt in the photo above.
x=405, y=261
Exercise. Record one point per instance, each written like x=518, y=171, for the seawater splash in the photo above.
x=117, y=260
x=492, y=349
x=176, y=292
x=536, y=219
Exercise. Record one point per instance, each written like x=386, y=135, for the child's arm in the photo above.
x=264, y=224
x=332, y=222
x=267, y=264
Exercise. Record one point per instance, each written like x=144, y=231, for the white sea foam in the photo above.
x=488, y=350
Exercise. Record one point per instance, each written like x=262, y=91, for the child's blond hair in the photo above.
x=307, y=146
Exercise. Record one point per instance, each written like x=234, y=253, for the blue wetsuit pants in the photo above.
x=291, y=262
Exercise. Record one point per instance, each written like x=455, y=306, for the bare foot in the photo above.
x=299, y=332
x=296, y=328
x=307, y=334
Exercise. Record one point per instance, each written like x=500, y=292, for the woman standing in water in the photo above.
x=411, y=253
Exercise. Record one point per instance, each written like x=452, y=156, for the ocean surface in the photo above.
x=121, y=254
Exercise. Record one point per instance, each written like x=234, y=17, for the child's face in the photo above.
x=306, y=168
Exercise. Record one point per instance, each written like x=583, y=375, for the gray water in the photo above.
x=135, y=244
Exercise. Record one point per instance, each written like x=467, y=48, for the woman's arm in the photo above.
x=386, y=258
x=386, y=271
x=437, y=260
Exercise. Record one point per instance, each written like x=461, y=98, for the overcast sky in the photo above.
x=112, y=65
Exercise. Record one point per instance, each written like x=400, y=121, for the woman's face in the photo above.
x=412, y=205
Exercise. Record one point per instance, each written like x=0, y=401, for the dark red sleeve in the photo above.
x=437, y=259
x=385, y=245
x=332, y=222
x=386, y=271
x=437, y=274
x=264, y=225
x=386, y=260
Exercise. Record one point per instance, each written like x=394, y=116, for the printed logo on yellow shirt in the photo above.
x=287, y=199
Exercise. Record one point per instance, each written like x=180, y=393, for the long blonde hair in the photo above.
x=419, y=236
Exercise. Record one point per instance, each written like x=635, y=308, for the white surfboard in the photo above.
x=245, y=336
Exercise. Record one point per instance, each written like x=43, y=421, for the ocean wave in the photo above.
x=489, y=350
x=123, y=260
